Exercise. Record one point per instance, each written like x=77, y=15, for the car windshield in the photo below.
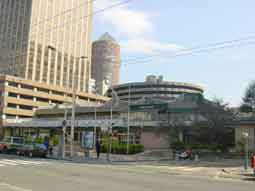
x=18, y=140
x=40, y=146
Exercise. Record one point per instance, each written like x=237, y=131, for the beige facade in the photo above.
x=47, y=41
x=20, y=98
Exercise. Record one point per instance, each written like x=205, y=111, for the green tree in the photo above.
x=249, y=98
x=215, y=128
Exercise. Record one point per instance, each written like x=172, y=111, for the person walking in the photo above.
x=98, y=148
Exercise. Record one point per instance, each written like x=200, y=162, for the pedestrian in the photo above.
x=46, y=142
x=98, y=148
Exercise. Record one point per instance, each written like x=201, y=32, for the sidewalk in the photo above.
x=221, y=168
x=238, y=173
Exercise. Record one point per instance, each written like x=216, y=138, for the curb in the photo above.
x=241, y=177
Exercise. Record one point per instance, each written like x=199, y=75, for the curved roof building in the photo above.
x=155, y=87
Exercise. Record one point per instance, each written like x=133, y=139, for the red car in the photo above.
x=3, y=148
x=11, y=144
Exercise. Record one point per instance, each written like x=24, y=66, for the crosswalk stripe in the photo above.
x=17, y=161
x=8, y=163
x=4, y=162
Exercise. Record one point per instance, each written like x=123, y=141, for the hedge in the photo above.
x=122, y=148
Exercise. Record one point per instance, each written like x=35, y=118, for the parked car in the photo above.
x=11, y=144
x=33, y=150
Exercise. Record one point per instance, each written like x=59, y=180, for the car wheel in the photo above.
x=30, y=154
x=4, y=150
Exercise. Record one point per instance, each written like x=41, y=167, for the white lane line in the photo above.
x=8, y=163
x=24, y=162
x=19, y=161
x=13, y=187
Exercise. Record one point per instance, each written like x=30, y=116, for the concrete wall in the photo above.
x=154, y=139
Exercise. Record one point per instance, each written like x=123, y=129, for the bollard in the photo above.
x=253, y=164
x=196, y=157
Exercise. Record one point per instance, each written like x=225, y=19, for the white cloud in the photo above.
x=135, y=26
x=148, y=46
x=124, y=20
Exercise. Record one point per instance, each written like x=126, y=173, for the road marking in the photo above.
x=26, y=162
x=13, y=187
x=17, y=161
x=7, y=162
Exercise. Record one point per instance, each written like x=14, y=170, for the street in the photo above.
x=24, y=174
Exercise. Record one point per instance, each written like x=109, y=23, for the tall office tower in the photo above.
x=47, y=41
x=105, y=63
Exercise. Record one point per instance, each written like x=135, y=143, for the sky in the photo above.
x=164, y=27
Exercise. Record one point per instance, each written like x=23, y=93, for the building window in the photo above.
x=26, y=97
x=58, y=93
x=10, y=94
x=26, y=107
x=25, y=86
x=45, y=64
x=65, y=70
x=13, y=84
x=42, y=100
x=58, y=73
x=43, y=90
x=12, y=105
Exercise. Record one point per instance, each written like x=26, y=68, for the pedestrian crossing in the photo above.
x=19, y=162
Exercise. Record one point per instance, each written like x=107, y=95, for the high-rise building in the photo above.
x=47, y=41
x=105, y=63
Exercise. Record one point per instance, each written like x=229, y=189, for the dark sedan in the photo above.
x=33, y=150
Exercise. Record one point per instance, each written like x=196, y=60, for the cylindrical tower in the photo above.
x=105, y=63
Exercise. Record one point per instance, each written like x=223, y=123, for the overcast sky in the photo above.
x=146, y=27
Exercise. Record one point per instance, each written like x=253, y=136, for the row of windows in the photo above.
x=29, y=87
x=45, y=100
x=157, y=86
x=15, y=106
x=151, y=93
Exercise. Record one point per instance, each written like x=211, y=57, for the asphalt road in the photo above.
x=23, y=174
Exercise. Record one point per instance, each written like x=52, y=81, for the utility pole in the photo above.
x=246, y=148
x=128, y=120
x=64, y=133
x=109, y=131
x=73, y=118
x=95, y=128
x=74, y=85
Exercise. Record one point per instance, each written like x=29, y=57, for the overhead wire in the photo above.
x=73, y=21
x=190, y=51
x=55, y=16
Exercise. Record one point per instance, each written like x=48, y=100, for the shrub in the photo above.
x=39, y=140
x=122, y=148
x=177, y=145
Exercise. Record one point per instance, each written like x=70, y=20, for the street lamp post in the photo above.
x=111, y=124
x=74, y=86
x=128, y=120
x=246, y=150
